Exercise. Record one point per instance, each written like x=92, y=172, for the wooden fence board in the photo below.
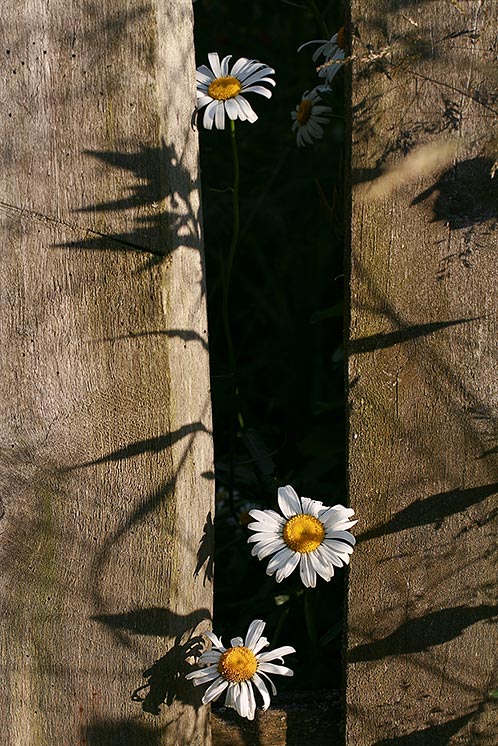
x=422, y=653
x=105, y=423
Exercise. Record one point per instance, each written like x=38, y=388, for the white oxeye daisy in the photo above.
x=309, y=534
x=308, y=117
x=240, y=667
x=221, y=90
x=332, y=50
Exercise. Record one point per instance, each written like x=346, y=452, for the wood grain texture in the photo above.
x=422, y=652
x=105, y=423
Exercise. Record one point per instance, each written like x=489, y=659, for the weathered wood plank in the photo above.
x=423, y=385
x=105, y=442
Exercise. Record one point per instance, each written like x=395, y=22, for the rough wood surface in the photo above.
x=423, y=374
x=105, y=424
x=294, y=719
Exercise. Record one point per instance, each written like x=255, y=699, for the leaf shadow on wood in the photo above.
x=412, y=52
x=159, y=190
x=435, y=734
x=421, y=633
x=187, y=335
x=433, y=509
x=149, y=445
x=155, y=620
x=405, y=334
x=166, y=677
x=205, y=554
x=466, y=194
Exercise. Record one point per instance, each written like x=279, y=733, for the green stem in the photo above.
x=232, y=250
x=309, y=615
x=236, y=421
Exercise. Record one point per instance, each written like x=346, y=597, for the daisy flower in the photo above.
x=309, y=534
x=221, y=89
x=308, y=117
x=239, y=668
x=332, y=50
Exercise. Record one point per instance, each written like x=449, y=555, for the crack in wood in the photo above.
x=27, y=212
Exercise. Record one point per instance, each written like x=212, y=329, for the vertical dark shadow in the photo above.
x=120, y=733
x=314, y=719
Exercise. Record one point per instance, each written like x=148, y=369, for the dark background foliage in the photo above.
x=286, y=302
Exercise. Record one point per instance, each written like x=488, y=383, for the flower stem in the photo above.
x=309, y=615
x=236, y=420
x=231, y=252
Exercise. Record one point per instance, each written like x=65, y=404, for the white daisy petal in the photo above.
x=251, y=701
x=203, y=676
x=257, y=75
x=236, y=642
x=288, y=568
x=333, y=557
x=213, y=692
x=320, y=565
x=219, y=116
x=224, y=64
x=239, y=66
x=337, y=512
x=254, y=633
x=272, y=685
x=264, y=536
x=232, y=108
x=339, y=546
x=263, y=690
x=274, y=668
x=258, y=89
x=216, y=641
x=240, y=699
x=311, y=507
x=230, y=696
x=308, y=575
x=205, y=73
x=313, y=41
x=316, y=131
x=344, y=535
x=277, y=653
x=267, y=528
x=264, y=549
x=289, y=502
x=248, y=111
x=279, y=560
x=210, y=656
x=209, y=115
x=202, y=101
x=267, y=519
x=262, y=643
x=214, y=61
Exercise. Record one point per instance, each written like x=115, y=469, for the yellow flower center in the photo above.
x=223, y=88
x=304, y=111
x=303, y=533
x=237, y=664
x=340, y=37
